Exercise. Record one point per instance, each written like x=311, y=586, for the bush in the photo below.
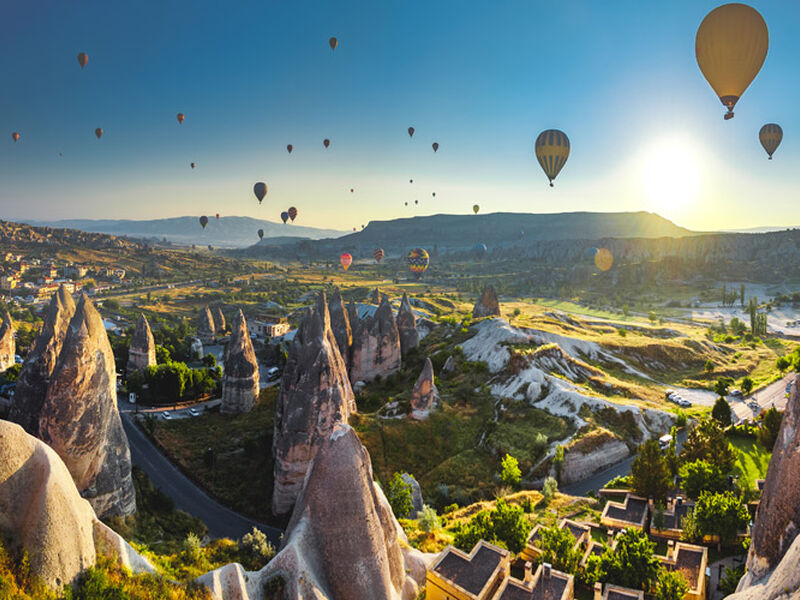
x=557, y=545
x=509, y=471
x=632, y=563
x=770, y=427
x=730, y=580
x=505, y=525
x=671, y=586
x=549, y=490
x=255, y=549
x=681, y=418
x=699, y=476
x=399, y=497
x=709, y=366
x=428, y=519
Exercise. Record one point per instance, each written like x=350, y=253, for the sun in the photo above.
x=670, y=175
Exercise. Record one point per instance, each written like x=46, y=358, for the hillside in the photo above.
x=21, y=235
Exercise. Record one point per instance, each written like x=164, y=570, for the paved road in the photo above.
x=221, y=521
x=772, y=395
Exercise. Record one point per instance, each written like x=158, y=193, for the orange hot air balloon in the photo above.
x=83, y=58
x=435, y=146
x=333, y=42
x=326, y=142
x=98, y=132
x=603, y=259
x=260, y=190
x=289, y=148
x=292, y=213
x=411, y=132
x=217, y=215
x=378, y=253
x=15, y=136
x=192, y=165
x=346, y=259
x=180, y=118
x=203, y=221
x=418, y=261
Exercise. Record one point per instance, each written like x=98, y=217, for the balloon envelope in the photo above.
x=292, y=213
x=552, y=151
x=435, y=146
x=15, y=136
x=284, y=216
x=217, y=216
x=410, y=132
x=603, y=259
x=333, y=42
x=475, y=208
x=418, y=260
x=192, y=165
x=260, y=190
x=770, y=137
x=346, y=259
x=289, y=148
x=180, y=117
x=261, y=234
x=326, y=142
x=378, y=253
x=98, y=132
x=203, y=221
x=730, y=46
x=83, y=58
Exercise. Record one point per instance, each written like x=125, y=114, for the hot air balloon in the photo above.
x=333, y=42
x=378, y=253
x=98, y=132
x=354, y=228
x=351, y=190
x=435, y=146
x=731, y=46
x=433, y=194
x=418, y=260
x=260, y=190
x=475, y=208
x=203, y=221
x=15, y=136
x=410, y=181
x=480, y=250
x=284, y=217
x=289, y=148
x=83, y=58
x=261, y=234
x=326, y=142
x=346, y=259
x=406, y=203
x=180, y=118
x=292, y=213
x=603, y=259
x=411, y=132
x=217, y=216
x=770, y=136
x=192, y=165
x=416, y=201
x=552, y=151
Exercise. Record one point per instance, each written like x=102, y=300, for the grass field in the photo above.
x=752, y=459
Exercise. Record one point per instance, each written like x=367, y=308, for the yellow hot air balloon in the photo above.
x=552, y=152
x=731, y=46
x=770, y=137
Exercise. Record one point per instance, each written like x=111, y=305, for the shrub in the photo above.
x=699, y=475
x=505, y=525
x=549, y=490
x=721, y=412
x=256, y=549
x=428, y=519
x=399, y=496
x=671, y=586
x=709, y=366
x=770, y=427
x=556, y=545
x=509, y=471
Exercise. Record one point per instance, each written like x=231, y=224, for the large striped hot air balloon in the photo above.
x=292, y=213
x=552, y=151
x=346, y=259
x=378, y=253
x=770, y=137
x=418, y=261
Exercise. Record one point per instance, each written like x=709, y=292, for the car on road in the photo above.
x=166, y=415
x=273, y=373
x=194, y=412
x=737, y=394
x=754, y=405
x=684, y=403
x=788, y=388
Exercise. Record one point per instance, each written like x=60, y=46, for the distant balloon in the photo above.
x=480, y=250
x=552, y=151
x=730, y=46
x=378, y=253
x=192, y=165
x=333, y=42
x=418, y=260
x=346, y=259
x=289, y=148
x=292, y=213
x=83, y=58
x=362, y=226
x=261, y=234
x=180, y=118
x=98, y=132
x=260, y=190
x=284, y=217
x=406, y=203
x=603, y=259
x=203, y=221
x=326, y=142
x=435, y=146
x=433, y=194
x=351, y=190
x=410, y=181
x=416, y=201
x=770, y=137
x=475, y=208
x=411, y=132
x=354, y=228
x=217, y=215
x=15, y=136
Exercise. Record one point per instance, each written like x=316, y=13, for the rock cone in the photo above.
x=8, y=347
x=407, y=326
x=206, y=328
x=40, y=362
x=340, y=324
x=424, y=396
x=219, y=320
x=487, y=305
x=376, y=346
x=240, y=382
x=142, y=352
x=315, y=395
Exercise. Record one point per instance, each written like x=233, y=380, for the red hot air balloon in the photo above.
x=378, y=253
x=203, y=221
x=98, y=132
x=15, y=136
x=333, y=43
x=435, y=146
x=292, y=213
x=289, y=148
x=83, y=58
x=351, y=190
x=192, y=165
x=346, y=259
x=284, y=217
x=260, y=190
x=326, y=142
x=411, y=132
x=180, y=118
x=217, y=216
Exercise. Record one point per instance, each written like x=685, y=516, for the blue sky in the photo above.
x=482, y=79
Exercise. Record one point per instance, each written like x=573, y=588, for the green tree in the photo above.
x=707, y=441
x=720, y=514
x=505, y=524
x=509, y=471
x=399, y=497
x=737, y=326
x=730, y=580
x=428, y=519
x=557, y=546
x=549, y=490
x=770, y=427
x=558, y=461
x=722, y=412
x=741, y=295
x=671, y=586
x=709, y=366
x=699, y=475
x=632, y=563
x=658, y=517
x=747, y=385
x=650, y=476
x=653, y=317
x=783, y=363
x=722, y=386
x=671, y=455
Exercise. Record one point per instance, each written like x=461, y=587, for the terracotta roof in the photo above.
x=473, y=572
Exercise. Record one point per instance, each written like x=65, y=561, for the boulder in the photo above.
x=407, y=326
x=206, y=328
x=487, y=305
x=376, y=346
x=416, y=495
x=79, y=417
x=424, y=396
x=34, y=377
x=240, y=380
x=142, y=351
x=340, y=324
x=8, y=347
x=220, y=324
x=315, y=395
x=449, y=365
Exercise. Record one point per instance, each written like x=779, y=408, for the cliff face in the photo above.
x=340, y=325
x=79, y=417
x=142, y=352
x=34, y=377
x=315, y=395
x=240, y=382
x=8, y=347
x=407, y=326
x=376, y=346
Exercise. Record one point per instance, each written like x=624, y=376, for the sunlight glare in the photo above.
x=670, y=175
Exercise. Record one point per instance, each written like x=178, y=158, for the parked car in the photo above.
x=737, y=394
x=166, y=415
x=668, y=394
x=273, y=373
x=754, y=405
x=194, y=412
x=684, y=403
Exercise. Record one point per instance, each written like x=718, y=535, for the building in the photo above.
x=676, y=510
x=76, y=271
x=9, y=282
x=632, y=512
x=690, y=561
x=616, y=592
x=474, y=576
x=582, y=534
x=546, y=584
x=266, y=329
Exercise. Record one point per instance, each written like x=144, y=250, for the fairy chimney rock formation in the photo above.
x=352, y=317
x=407, y=326
x=315, y=395
x=220, y=324
x=8, y=347
x=206, y=329
x=80, y=420
x=424, y=396
x=34, y=376
x=340, y=324
x=240, y=381
x=487, y=305
x=376, y=346
x=142, y=352
x=375, y=296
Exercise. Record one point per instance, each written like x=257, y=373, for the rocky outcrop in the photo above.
x=376, y=346
x=600, y=451
x=424, y=396
x=34, y=377
x=206, y=328
x=42, y=513
x=240, y=380
x=220, y=325
x=142, y=351
x=80, y=420
x=8, y=347
x=416, y=495
x=407, y=326
x=375, y=297
x=487, y=305
x=352, y=317
x=315, y=395
x=340, y=324
x=449, y=365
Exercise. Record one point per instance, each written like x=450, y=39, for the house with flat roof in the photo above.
x=690, y=561
x=474, y=576
x=546, y=584
x=610, y=591
x=676, y=510
x=632, y=512
x=582, y=534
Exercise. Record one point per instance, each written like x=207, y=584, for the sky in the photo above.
x=480, y=78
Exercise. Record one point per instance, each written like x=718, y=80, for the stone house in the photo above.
x=632, y=512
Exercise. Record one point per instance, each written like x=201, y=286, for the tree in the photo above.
x=709, y=366
x=632, y=562
x=752, y=308
x=770, y=427
x=549, y=490
x=558, y=461
x=738, y=328
x=557, y=546
x=741, y=295
x=505, y=524
x=428, y=519
x=256, y=549
x=720, y=514
x=722, y=412
x=509, y=471
x=653, y=317
x=747, y=385
x=399, y=497
x=722, y=386
x=671, y=586
x=707, y=441
x=699, y=476
x=783, y=363
x=658, y=518
x=650, y=476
